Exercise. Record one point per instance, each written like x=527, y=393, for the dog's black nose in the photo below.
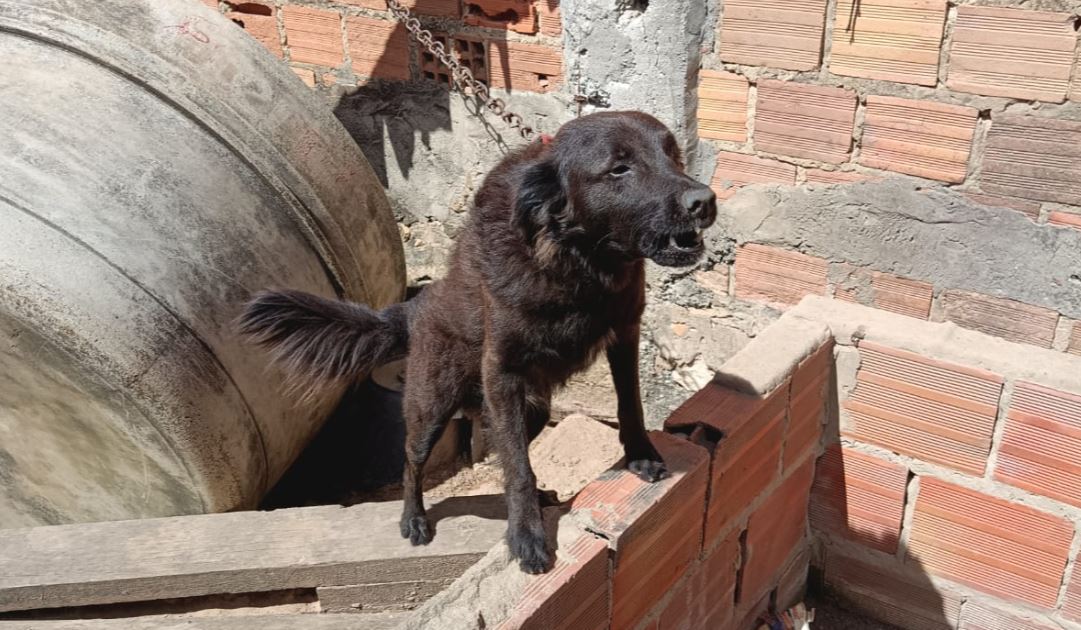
x=701, y=203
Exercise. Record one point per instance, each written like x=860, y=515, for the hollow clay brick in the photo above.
x=889, y=40
x=922, y=138
x=932, y=410
x=806, y=121
x=1004, y=549
x=778, y=276
x=1015, y=53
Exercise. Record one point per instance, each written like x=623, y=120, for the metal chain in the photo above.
x=462, y=76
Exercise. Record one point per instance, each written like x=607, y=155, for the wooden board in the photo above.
x=243, y=552
x=376, y=621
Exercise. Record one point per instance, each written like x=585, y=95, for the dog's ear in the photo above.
x=540, y=197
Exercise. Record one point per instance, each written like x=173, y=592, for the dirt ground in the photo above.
x=832, y=615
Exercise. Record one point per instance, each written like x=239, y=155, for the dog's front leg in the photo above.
x=506, y=398
x=642, y=458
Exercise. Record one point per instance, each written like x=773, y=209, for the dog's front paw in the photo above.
x=530, y=548
x=416, y=529
x=651, y=469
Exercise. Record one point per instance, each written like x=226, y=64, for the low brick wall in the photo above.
x=930, y=475
x=952, y=497
x=713, y=546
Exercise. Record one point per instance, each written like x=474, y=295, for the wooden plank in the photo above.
x=375, y=621
x=243, y=552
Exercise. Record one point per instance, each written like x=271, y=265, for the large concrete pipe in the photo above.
x=156, y=167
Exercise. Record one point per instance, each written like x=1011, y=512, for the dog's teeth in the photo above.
x=672, y=241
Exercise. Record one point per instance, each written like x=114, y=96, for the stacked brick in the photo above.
x=717, y=542
x=949, y=496
x=954, y=496
x=835, y=119
x=507, y=44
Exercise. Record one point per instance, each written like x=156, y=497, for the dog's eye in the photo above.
x=622, y=169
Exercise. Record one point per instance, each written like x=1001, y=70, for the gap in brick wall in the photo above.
x=252, y=8
x=636, y=6
x=737, y=593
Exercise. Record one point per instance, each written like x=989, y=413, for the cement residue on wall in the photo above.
x=934, y=235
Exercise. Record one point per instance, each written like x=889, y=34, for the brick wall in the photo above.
x=948, y=494
x=717, y=543
x=938, y=472
x=508, y=44
x=982, y=100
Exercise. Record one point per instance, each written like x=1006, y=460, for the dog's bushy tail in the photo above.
x=320, y=342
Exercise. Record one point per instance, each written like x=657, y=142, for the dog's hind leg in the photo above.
x=432, y=395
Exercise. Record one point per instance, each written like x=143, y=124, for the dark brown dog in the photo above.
x=548, y=273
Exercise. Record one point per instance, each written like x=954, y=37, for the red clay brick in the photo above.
x=920, y=138
x=1027, y=208
x=1065, y=219
x=932, y=410
x=305, y=75
x=1071, y=608
x=313, y=35
x=859, y=497
x=438, y=8
x=258, y=20
x=891, y=40
x=379, y=48
x=515, y=15
x=778, y=276
x=1016, y=53
x=792, y=585
x=1009, y=319
x=705, y=599
x=806, y=121
x=655, y=529
x=745, y=464
x=1004, y=549
x=773, y=33
x=819, y=176
x=775, y=531
x=1033, y=158
x=515, y=66
x=470, y=52
x=715, y=279
x=736, y=170
x=888, y=292
x=213, y=4
x=549, y=17
x=1075, y=339
x=978, y=616
x=1041, y=447
x=573, y=595
x=807, y=405
x=892, y=592
x=722, y=106
x=746, y=460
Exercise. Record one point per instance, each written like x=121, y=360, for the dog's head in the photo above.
x=612, y=185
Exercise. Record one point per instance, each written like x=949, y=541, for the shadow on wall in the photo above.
x=394, y=110
x=857, y=511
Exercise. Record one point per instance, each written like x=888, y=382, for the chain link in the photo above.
x=462, y=76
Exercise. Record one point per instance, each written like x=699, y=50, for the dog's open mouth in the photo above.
x=677, y=249
x=690, y=241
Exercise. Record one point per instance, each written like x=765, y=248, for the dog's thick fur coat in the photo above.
x=547, y=275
